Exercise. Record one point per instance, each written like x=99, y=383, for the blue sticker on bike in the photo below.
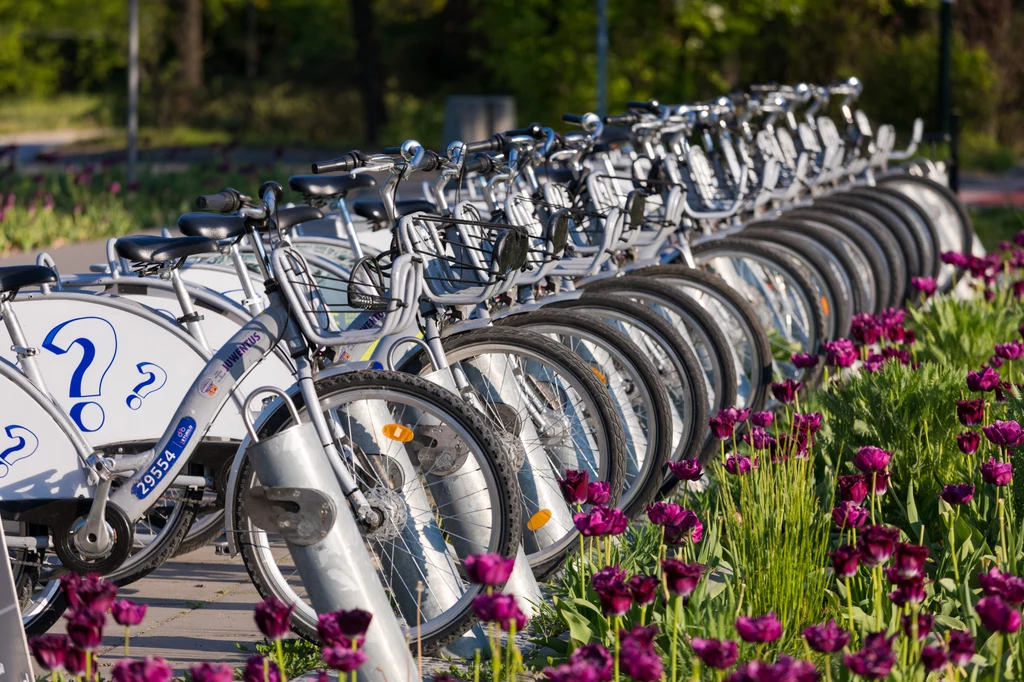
x=165, y=460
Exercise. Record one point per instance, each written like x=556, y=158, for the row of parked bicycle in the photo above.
x=578, y=301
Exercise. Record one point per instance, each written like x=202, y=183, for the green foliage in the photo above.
x=299, y=655
x=776, y=538
x=961, y=333
x=911, y=413
x=994, y=225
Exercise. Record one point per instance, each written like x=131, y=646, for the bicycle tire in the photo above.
x=567, y=322
x=730, y=302
x=816, y=323
x=604, y=411
x=304, y=619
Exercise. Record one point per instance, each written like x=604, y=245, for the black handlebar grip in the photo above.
x=575, y=119
x=480, y=164
x=271, y=186
x=532, y=130
x=622, y=120
x=345, y=162
x=225, y=201
x=431, y=161
x=392, y=150
x=491, y=144
x=652, y=106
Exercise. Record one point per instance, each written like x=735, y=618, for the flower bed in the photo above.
x=868, y=529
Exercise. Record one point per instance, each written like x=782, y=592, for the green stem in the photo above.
x=1001, y=507
x=617, y=621
x=999, y=656
x=675, y=634
x=849, y=604
x=126, y=633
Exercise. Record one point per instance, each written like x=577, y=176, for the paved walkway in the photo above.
x=200, y=606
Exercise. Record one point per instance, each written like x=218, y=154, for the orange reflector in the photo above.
x=538, y=520
x=600, y=375
x=403, y=434
x=824, y=305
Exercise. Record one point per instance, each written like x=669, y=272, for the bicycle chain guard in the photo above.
x=301, y=516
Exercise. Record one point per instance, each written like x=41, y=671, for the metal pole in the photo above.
x=133, y=86
x=602, y=57
x=945, y=49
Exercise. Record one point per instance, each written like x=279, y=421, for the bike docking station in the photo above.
x=15, y=663
x=300, y=492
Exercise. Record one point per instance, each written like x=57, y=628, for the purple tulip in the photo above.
x=953, y=258
x=599, y=492
x=148, y=669
x=845, y=560
x=644, y=589
x=961, y=647
x=715, y=653
x=499, y=608
x=343, y=628
x=488, y=569
x=615, y=598
x=738, y=465
x=687, y=527
x=970, y=412
x=874, y=363
x=607, y=576
x=933, y=657
x=665, y=513
x=686, y=469
x=827, y=638
x=601, y=520
x=877, y=543
x=1013, y=350
x=721, y=426
x=875, y=660
x=575, y=486
x=74, y=662
x=866, y=329
x=926, y=285
x=807, y=423
x=804, y=360
x=840, y=353
x=85, y=628
x=849, y=515
x=853, y=488
x=762, y=419
x=597, y=658
x=925, y=621
x=273, y=617
x=908, y=591
x=785, y=391
x=968, y=442
x=571, y=672
x=957, y=493
x=91, y=592
x=212, y=672
x=758, y=438
x=637, y=655
x=1005, y=434
x=881, y=482
x=681, y=578
x=760, y=630
x=127, y=613
x=997, y=616
x=785, y=668
x=343, y=659
x=985, y=380
x=870, y=459
x=996, y=472
x=50, y=651
x=737, y=415
x=908, y=560
x=1005, y=585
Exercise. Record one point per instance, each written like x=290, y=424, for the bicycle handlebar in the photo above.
x=227, y=200
x=346, y=162
x=491, y=144
x=623, y=120
x=480, y=164
x=652, y=106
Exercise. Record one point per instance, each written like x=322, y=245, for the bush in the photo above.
x=961, y=334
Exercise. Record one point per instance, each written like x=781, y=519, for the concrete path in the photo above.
x=200, y=606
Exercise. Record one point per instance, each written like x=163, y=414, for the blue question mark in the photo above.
x=98, y=341
x=19, y=451
x=156, y=377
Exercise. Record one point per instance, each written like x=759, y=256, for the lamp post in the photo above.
x=602, y=57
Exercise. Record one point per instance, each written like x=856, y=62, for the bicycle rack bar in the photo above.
x=336, y=571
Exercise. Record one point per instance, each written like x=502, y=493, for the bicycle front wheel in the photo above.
x=438, y=474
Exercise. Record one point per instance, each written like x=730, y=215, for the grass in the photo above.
x=18, y=115
x=995, y=225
